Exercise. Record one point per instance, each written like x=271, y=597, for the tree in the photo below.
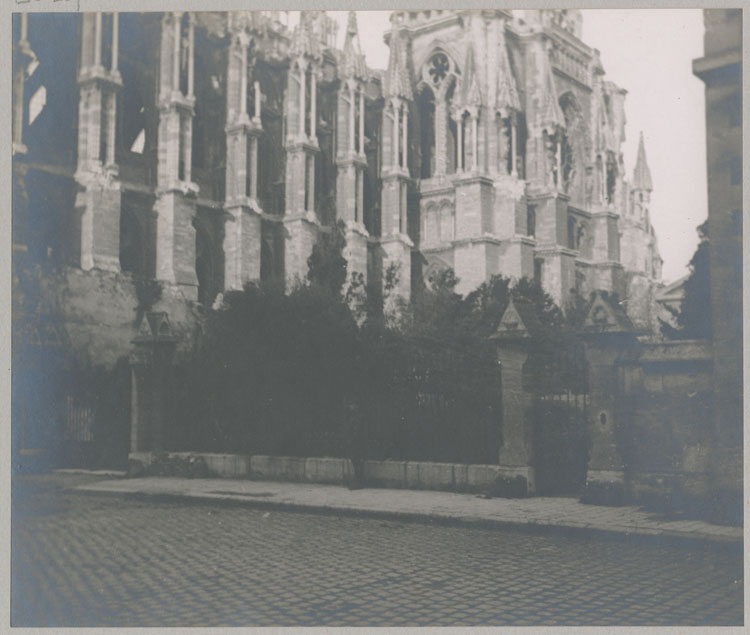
x=694, y=316
x=327, y=266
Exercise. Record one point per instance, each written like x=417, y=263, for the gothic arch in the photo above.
x=438, y=76
x=447, y=222
x=426, y=109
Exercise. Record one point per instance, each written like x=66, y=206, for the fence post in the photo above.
x=516, y=466
x=151, y=373
x=608, y=335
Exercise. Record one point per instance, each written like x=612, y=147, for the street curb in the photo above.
x=76, y=470
x=661, y=538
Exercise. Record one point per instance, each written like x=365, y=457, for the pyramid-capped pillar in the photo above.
x=512, y=340
x=608, y=335
x=151, y=361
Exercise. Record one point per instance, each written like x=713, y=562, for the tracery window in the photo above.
x=438, y=137
x=439, y=68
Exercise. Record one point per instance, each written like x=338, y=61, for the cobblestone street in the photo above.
x=91, y=560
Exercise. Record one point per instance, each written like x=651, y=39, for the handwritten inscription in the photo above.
x=19, y=2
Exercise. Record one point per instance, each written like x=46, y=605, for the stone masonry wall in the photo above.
x=99, y=311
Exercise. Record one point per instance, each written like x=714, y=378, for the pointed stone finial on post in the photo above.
x=151, y=378
x=516, y=466
x=609, y=336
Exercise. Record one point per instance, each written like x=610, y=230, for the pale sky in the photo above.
x=649, y=53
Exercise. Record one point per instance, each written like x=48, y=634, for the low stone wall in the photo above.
x=395, y=474
x=652, y=430
x=671, y=421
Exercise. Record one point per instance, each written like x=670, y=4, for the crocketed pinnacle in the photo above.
x=304, y=40
x=507, y=98
x=397, y=82
x=641, y=173
x=471, y=94
x=353, y=62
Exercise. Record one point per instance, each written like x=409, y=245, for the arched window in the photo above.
x=447, y=223
x=452, y=149
x=531, y=220
x=426, y=106
x=581, y=237
x=571, y=233
x=439, y=132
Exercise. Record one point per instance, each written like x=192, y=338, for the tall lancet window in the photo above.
x=426, y=109
x=439, y=132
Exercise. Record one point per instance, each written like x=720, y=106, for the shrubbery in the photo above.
x=277, y=373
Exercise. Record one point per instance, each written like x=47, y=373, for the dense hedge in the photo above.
x=323, y=372
x=277, y=374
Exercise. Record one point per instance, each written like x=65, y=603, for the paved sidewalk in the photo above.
x=426, y=505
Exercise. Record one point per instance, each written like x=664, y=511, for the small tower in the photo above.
x=395, y=241
x=642, y=186
x=350, y=152
x=301, y=222
x=242, y=229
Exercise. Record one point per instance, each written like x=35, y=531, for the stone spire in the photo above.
x=506, y=99
x=471, y=94
x=397, y=82
x=641, y=173
x=353, y=60
x=551, y=116
x=304, y=40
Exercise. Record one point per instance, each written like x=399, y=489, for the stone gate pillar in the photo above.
x=607, y=335
x=151, y=378
x=516, y=459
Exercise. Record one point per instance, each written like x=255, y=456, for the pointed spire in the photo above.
x=551, y=114
x=304, y=39
x=507, y=98
x=353, y=60
x=641, y=173
x=351, y=25
x=471, y=94
x=397, y=82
